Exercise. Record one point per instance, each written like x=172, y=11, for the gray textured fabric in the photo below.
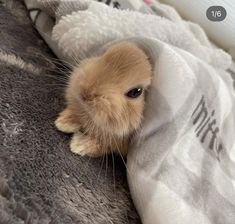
x=41, y=181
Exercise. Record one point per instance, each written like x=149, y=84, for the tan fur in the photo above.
x=96, y=101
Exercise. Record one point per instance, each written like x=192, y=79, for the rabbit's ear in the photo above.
x=124, y=55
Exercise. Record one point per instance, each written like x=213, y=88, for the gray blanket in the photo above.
x=41, y=181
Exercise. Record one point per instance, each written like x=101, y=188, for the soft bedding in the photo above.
x=181, y=165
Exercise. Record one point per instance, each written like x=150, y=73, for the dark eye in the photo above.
x=135, y=92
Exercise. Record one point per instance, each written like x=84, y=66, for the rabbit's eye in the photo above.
x=135, y=92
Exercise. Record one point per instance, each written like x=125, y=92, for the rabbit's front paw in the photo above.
x=83, y=145
x=66, y=122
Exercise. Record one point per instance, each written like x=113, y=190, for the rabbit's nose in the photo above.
x=85, y=96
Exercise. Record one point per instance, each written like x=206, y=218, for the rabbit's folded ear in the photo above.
x=124, y=56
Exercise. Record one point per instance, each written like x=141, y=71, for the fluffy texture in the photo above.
x=41, y=181
x=97, y=102
x=102, y=24
x=89, y=25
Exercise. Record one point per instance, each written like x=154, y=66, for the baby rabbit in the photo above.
x=105, y=100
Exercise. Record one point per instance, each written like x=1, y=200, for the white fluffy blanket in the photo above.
x=181, y=168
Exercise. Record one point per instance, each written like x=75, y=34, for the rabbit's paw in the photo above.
x=84, y=145
x=66, y=122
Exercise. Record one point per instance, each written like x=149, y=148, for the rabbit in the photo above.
x=105, y=99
